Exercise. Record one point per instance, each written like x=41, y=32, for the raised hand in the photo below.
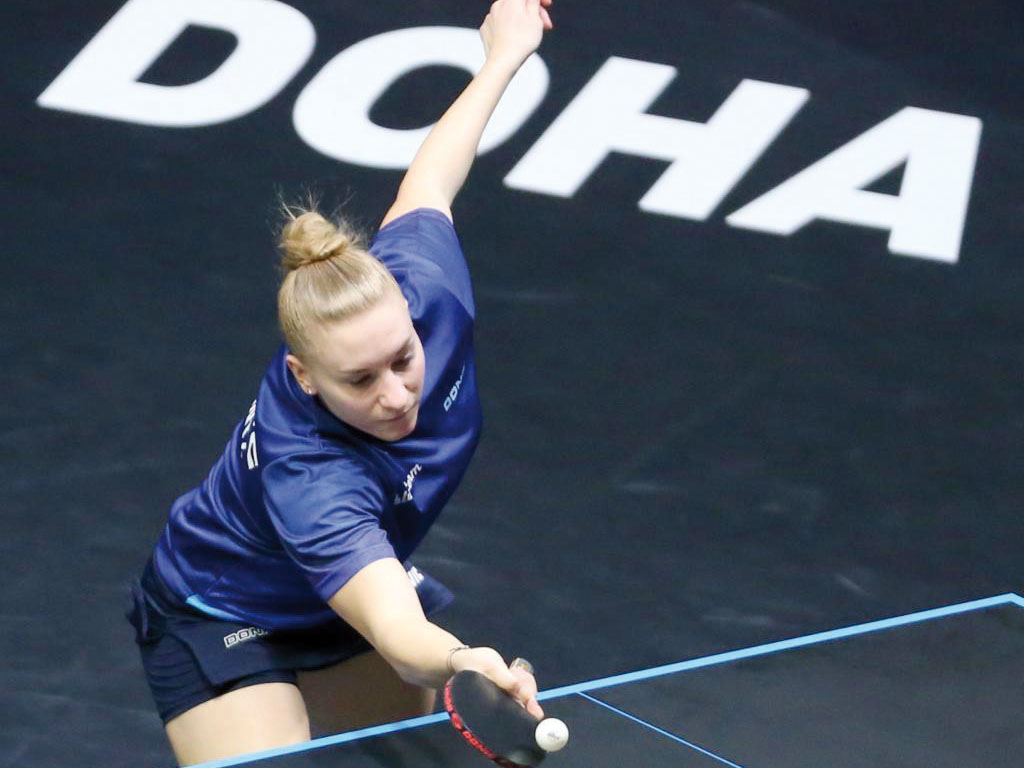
x=513, y=29
x=511, y=32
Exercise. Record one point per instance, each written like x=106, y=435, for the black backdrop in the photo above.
x=698, y=437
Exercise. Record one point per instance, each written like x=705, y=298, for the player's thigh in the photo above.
x=359, y=692
x=244, y=720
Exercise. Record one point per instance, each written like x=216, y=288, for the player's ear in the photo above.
x=300, y=373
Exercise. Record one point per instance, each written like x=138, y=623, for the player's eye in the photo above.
x=361, y=382
x=402, y=363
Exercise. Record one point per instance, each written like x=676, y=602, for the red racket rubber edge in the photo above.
x=468, y=735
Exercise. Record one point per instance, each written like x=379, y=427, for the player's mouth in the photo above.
x=404, y=415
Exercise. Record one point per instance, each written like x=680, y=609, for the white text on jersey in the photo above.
x=453, y=393
x=406, y=494
x=248, y=444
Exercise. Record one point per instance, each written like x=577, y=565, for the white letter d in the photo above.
x=274, y=41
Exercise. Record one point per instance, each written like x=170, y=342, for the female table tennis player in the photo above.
x=279, y=594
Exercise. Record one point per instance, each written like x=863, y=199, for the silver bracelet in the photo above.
x=452, y=652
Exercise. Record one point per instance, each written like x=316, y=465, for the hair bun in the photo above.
x=308, y=238
x=344, y=278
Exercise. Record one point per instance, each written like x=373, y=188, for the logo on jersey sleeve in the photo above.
x=248, y=443
x=406, y=493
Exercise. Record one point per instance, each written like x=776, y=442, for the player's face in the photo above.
x=368, y=369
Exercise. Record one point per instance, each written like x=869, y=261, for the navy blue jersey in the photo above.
x=300, y=501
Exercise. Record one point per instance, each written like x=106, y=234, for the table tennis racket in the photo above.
x=492, y=721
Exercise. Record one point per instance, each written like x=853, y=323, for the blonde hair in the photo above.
x=328, y=275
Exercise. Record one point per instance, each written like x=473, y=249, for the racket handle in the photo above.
x=521, y=663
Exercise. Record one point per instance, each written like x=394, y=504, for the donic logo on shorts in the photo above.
x=249, y=633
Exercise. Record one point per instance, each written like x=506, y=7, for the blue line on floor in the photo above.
x=784, y=645
x=662, y=731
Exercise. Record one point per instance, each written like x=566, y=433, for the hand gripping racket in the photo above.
x=493, y=722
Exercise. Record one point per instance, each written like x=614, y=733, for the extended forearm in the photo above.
x=444, y=159
x=380, y=603
x=510, y=33
x=418, y=650
x=424, y=654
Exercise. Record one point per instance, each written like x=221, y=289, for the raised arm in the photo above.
x=510, y=32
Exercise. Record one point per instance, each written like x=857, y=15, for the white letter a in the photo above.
x=925, y=220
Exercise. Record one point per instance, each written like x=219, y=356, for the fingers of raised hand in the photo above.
x=522, y=9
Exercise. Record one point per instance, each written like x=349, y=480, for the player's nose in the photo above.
x=394, y=397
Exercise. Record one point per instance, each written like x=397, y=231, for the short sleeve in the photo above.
x=326, y=510
x=422, y=241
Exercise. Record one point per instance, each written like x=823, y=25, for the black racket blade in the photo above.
x=492, y=721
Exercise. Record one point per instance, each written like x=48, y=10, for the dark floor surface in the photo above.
x=698, y=437
x=923, y=691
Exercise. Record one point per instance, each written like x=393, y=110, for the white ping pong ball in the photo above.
x=551, y=734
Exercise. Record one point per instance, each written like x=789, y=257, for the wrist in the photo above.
x=477, y=658
x=451, y=655
x=503, y=63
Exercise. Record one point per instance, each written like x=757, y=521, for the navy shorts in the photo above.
x=190, y=657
